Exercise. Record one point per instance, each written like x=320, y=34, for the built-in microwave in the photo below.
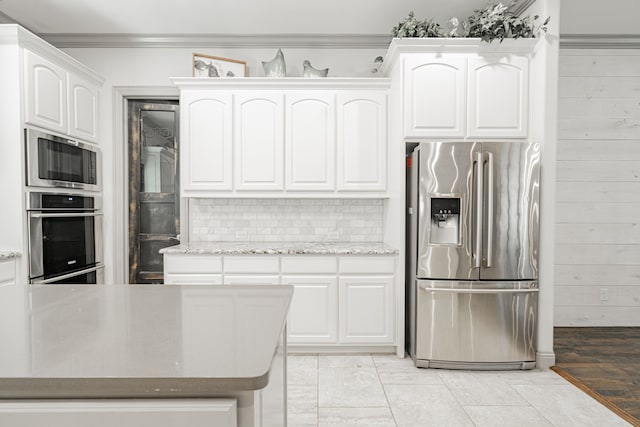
x=53, y=161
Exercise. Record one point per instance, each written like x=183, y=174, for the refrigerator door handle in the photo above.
x=478, y=291
x=478, y=164
x=489, y=203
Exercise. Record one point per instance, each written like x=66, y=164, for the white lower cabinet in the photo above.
x=366, y=309
x=251, y=279
x=122, y=413
x=192, y=279
x=7, y=271
x=192, y=269
x=251, y=270
x=313, y=314
x=337, y=300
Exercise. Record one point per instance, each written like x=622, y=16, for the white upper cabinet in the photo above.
x=60, y=99
x=46, y=93
x=260, y=137
x=310, y=140
x=82, y=97
x=435, y=95
x=461, y=88
x=362, y=141
x=498, y=96
x=206, y=145
x=259, y=140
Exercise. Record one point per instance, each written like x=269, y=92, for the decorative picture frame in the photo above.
x=215, y=66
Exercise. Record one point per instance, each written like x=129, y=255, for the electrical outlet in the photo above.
x=241, y=235
x=604, y=294
x=333, y=235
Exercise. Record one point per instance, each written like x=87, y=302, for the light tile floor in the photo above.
x=383, y=390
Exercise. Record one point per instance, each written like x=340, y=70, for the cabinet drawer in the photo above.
x=367, y=264
x=190, y=263
x=7, y=271
x=120, y=412
x=193, y=279
x=251, y=264
x=241, y=279
x=309, y=264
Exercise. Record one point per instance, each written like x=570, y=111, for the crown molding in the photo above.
x=599, y=41
x=281, y=83
x=238, y=41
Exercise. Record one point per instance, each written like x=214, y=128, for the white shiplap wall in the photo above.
x=598, y=189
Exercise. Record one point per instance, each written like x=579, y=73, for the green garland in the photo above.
x=491, y=23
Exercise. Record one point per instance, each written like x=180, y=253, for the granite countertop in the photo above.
x=282, y=248
x=9, y=254
x=137, y=341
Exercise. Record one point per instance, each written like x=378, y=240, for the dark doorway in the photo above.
x=154, y=193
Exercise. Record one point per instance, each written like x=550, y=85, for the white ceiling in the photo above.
x=230, y=17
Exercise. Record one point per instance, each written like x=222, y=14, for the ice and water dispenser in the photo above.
x=445, y=220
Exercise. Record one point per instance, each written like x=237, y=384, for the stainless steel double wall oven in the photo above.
x=64, y=210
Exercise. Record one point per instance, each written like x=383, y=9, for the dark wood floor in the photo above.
x=604, y=360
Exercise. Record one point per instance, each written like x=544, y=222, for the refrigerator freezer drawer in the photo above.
x=492, y=325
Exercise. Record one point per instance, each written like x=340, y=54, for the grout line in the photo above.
x=384, y=391
x=530, y=404
x=317, y=389
x=457, y=400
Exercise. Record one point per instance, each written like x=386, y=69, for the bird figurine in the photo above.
x=276, y=67
x=309, y=71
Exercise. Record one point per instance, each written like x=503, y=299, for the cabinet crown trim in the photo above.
x=15, y=34
x=282, y=83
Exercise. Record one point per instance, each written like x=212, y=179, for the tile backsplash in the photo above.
x=286, y=220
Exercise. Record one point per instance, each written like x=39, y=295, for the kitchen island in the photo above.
x=143, y=355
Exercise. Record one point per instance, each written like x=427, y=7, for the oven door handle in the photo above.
x=67, y=276
x=64, y=215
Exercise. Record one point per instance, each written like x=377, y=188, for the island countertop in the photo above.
x=281, y=248
x=86, y=341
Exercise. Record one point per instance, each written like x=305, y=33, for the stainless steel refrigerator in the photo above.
x=472, y=225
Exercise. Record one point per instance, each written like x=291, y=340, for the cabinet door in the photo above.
x=313, y=313
x=434, y=95
x=310, y=141
x=46, y=93
x=83, y=108
x=259, y=141
x=498, y=96
x=366, y=309
x=205, y=160
x=7, y=272
x=362, y=141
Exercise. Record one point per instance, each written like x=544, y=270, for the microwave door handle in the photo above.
x=478, y=226
x=490, y=215
x=64, y=215
x=67, y=276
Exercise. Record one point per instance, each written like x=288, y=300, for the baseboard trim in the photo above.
x=340, y=348
x=545, y=360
